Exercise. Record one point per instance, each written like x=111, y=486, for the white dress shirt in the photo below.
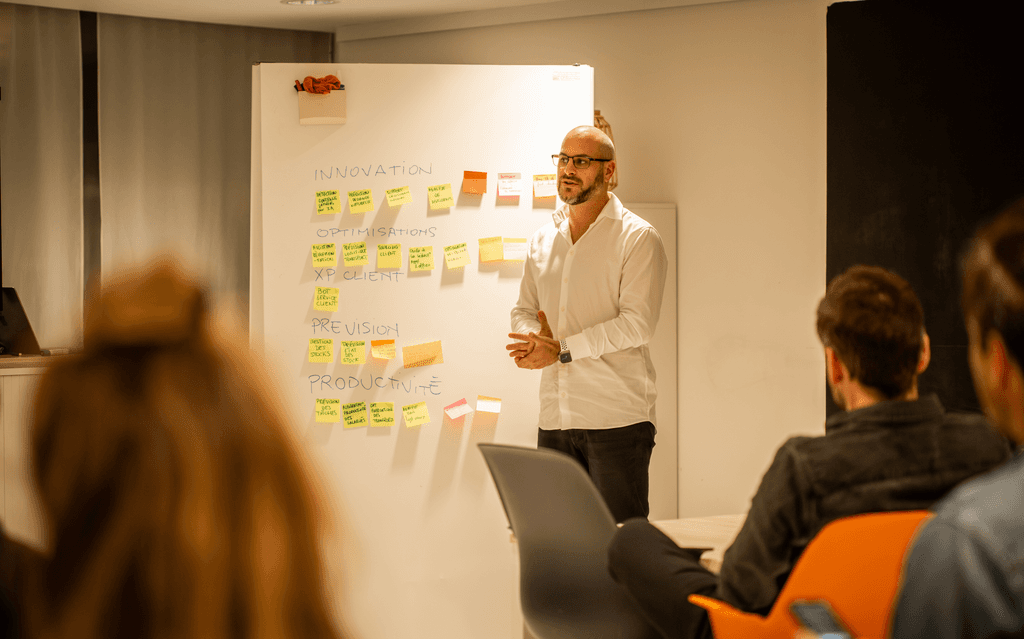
x=603, y=296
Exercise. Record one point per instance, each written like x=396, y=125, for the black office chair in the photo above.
x=563, y=529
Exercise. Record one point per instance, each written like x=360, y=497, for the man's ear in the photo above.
x=926, y=354
x=609, y=170
x=1000, y=364
x=834, y=367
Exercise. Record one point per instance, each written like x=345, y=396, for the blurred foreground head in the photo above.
x=177, y=501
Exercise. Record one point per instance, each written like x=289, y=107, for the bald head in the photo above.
x=605, y=148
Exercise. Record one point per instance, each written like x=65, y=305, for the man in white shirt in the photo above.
x=588, y=305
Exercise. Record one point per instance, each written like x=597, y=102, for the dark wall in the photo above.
x=925, y=141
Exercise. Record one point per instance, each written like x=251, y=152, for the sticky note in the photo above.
x=324, y=255
x=544, y=186
x=382, y=414
x=399, y=196
x=354, y=414
x=514, y=249
x=421, y=258
x=321, y=350
x=486, y=404
x=355, y=254
x=458, y=409
x=440, y=196
x=352, y=353
x=416, y=414
x=328, y=410
x=510, y=184
x=474, y=182
x=456, y=255
x=389, y=256
x=326, y=299
x=422, y=354
x=360, y=201
x=327, y=202
x=490, y=249
x=382, y=348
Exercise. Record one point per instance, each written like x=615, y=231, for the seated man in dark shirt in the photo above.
x=890, y=450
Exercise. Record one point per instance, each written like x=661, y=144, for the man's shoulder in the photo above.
x=993, y=499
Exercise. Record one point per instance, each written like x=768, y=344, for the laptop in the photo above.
x=16, y=336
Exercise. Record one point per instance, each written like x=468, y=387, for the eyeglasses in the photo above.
x=578, y=161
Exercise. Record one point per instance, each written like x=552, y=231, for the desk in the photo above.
x=715, y=532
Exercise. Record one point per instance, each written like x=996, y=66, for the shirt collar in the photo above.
x=612, y=209
x=893, y=412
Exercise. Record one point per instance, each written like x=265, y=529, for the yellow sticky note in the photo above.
x=397, y=197
x=354, y=414
x=421, y=258
x=416, y=414
x=490, y=249
x=382, y=414
x=360, y=201
x=325, y=255
x=440, y=196
x=355, y=254
x=328, y=202
x=382, y=348
x=326, y=299
x=486, y=404
x=389, y=256
x=456, y=255
x=474, y=182
x=352, y=353
x=422, y=354
x=514, y=249
x=321, y=350
x=544, y=185
x=328, y=410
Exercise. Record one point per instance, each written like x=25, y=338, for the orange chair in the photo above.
x=854, y=563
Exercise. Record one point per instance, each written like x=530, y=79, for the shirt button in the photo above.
x=572, y=251
x=563, y=309
x=565, y=280
x=563, y=394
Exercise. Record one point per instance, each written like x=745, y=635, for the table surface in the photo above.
x=715, y=532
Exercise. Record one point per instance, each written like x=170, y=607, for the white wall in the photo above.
x=719, y=108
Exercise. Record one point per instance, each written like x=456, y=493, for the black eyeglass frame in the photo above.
x=557, y=159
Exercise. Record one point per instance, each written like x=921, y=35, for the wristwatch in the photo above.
x=565, y=356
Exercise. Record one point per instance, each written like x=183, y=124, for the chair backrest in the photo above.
x=563, y=529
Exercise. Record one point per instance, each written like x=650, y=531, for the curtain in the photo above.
x=41, y=167
x=175, y=103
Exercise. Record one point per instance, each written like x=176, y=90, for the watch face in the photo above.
x=565, y=357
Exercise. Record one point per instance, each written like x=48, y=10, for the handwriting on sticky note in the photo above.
x=354, y=414
x=355, y=254
x=514, y=249
x=486, y=404
x=456, y=256
x=491, y=249
x=422, y=354
x=389, y=256
x=421, y=258
x=440, y=196
x=416, y=414
x=382, y=414
x=474, y=182
x=458, y=409
x=321, y=350
x=510, y=184
x=326, y=299
x=328, y=410
x=360, y=201
x=325, y=255
x=399, y=196
x=544, y=186
x=327, y=202
x=353, y=352
x=382, y=348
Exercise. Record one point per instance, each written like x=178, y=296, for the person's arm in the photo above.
x=640, y=293
x=954, y=586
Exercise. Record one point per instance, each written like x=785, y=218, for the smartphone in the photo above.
x=818, y=617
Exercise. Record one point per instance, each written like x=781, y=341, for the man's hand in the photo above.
x=535, y=350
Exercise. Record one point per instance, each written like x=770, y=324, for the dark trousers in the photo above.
x=659, y=576
x=617, y=460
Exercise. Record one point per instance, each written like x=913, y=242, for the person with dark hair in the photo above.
x=177, y=501
x=964, y=576
x=889, y=450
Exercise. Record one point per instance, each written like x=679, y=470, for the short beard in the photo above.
x=586, y=193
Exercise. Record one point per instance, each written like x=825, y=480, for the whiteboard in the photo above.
x=432, y=554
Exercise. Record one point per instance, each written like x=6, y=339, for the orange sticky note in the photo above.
x=328, y=410
x=389, y=256
x=490, y=249
x=474, y=182
x=354, y=414
x=456, y=255
x=383, y=348
x=422, y=354
x=485, y=404
x=382, y=414
x=416, y=414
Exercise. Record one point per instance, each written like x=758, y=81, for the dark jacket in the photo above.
x=894, y=455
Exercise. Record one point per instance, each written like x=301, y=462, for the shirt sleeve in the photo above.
x=762, y=552
x=524, y=313
x=953, y=586
x=641, y=289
